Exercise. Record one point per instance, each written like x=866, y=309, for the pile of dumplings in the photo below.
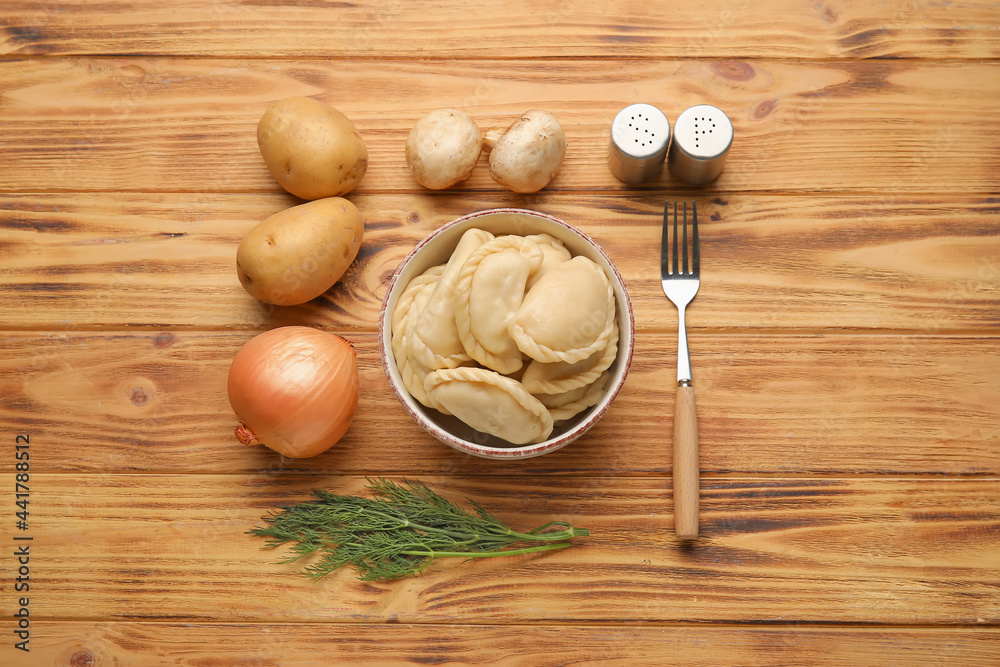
x=512, y=335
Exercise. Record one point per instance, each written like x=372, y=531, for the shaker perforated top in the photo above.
x=702, y=137
x=640, y=134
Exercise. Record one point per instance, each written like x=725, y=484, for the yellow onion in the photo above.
x=295, y=390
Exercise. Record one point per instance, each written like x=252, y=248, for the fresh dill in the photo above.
x=398, y=532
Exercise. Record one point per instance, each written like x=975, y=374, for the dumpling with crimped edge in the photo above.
x=435, y=342
x=488, y=294
x=568, y=315
x=491, y=403
x=410, y=303
x=404, y=306
x=571, y=403
x=560, y=376
x=553, y=252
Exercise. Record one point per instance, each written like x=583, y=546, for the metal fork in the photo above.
x=680, y=285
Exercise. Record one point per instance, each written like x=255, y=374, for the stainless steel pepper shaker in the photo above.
x=640, y=134
x=702, y=137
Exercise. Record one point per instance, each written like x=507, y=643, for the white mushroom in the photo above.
x=528, y=154
x=443, y=148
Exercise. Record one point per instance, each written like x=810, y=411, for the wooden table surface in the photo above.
x=845, y=341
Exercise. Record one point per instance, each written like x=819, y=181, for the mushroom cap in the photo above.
x=443, y=148
x=527, y=156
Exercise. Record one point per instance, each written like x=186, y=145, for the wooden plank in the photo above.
x=837, y=551
x=144, y=643
x=916, y=264
x=569, y=28
x=141, y=124
x=102, y=402
x=126, y=130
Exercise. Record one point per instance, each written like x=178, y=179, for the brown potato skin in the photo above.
x=311, y=149
x=299, y=253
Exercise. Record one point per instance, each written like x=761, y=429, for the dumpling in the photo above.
x=411, y=302
x=568, y=315
x=553, y=251
x=573, y=402
x=435, y=342
x=488, y=293
x=405, y=305
x=491, y=403
x=560, y=376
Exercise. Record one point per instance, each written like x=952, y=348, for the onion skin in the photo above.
x=294, y=390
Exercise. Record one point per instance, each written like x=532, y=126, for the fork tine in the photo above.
x=694, y=234
x=673, y=267
x=665, y=242
x=674, y=256
x=684, y=235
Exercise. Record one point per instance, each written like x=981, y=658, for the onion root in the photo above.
x=246, y=436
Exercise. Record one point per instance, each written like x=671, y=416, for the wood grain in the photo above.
x=685, y=464
x=142, y=644
x=845, y=339
x=566, y=28
x=841, y=550
x=913, y=264
x=103, y=402
x=154, y=125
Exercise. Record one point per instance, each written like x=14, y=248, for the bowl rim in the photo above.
x=524, y=451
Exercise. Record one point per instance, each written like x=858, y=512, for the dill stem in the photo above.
x=487, y=554
x=406, y=523
x=465, y=536
x=554, y=536
x=514, y=536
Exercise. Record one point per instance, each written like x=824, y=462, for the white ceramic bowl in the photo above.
x=436, y=249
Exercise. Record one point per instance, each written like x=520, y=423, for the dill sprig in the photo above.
x=398, y=532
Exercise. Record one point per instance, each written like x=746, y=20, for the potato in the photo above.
x=299, y=253
x=311, y=149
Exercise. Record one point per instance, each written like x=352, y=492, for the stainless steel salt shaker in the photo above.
x=702, y=137
x=640, y=134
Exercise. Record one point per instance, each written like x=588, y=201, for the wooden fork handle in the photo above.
x=685, y=464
